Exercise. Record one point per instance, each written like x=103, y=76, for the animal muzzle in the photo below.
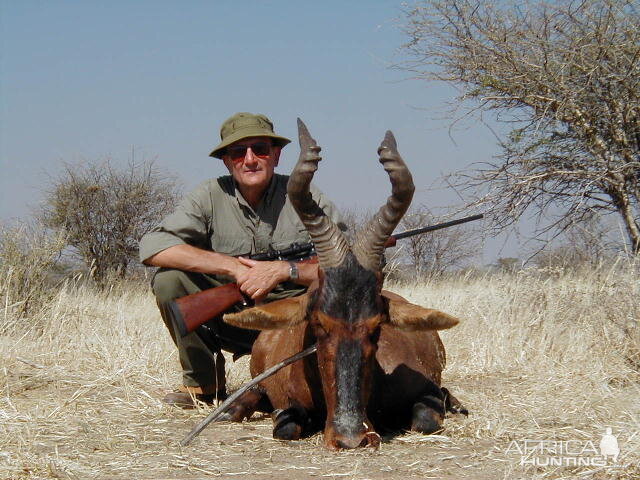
x=365, y=437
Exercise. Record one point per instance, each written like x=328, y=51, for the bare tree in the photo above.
x=586, y=243
x=564, y=76
x=433, y=253
x=104, y=210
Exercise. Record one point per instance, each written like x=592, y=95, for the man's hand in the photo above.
x=239, y=269
x=261, y=277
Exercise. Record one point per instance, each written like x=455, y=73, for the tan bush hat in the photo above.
x=244, y=125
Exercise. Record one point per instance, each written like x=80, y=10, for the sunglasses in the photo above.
x=259, y=149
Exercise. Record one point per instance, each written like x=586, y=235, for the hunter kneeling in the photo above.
x=206, y=241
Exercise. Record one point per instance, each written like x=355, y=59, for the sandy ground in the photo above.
x=541, y=358
x=104, y=431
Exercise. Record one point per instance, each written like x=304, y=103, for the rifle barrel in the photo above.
x=431, y=228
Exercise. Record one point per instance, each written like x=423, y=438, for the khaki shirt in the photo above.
x=215, y=216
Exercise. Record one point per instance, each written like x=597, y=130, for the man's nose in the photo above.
x=249, y=157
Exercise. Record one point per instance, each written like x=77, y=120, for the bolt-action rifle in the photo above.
x=191, y=311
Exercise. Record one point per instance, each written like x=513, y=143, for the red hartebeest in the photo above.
x=379, y=358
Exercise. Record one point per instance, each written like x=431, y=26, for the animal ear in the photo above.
x=271, y=316
x=407, y=316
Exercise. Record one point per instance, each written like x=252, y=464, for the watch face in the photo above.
x=293, y=271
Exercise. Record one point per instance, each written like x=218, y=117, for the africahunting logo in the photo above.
x=567, y=453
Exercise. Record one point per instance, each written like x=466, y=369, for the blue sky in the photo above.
x=81, y=80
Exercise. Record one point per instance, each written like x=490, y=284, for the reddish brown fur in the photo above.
x=407, y=366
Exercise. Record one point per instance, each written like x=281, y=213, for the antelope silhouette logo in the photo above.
x=609, y=446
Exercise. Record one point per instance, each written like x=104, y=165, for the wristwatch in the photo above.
x=293, y=271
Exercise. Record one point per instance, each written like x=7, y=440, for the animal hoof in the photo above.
x=459, y=410
x=452, y=404
x=425, y=419
x=287, y=424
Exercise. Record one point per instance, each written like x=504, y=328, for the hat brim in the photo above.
x=240, y=135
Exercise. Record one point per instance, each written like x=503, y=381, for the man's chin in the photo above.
x=255, y=179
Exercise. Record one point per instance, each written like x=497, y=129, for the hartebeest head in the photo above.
x=346, y=311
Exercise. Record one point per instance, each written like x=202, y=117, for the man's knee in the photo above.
x=168, y=284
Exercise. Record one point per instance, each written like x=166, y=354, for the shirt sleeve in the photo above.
x=190, y=224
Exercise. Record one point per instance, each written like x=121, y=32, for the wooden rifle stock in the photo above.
x=191, y=311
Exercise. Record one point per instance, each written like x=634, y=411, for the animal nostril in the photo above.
x=352, y=442
x=341, y=444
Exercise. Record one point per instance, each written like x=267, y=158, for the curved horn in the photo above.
x=330, y=244
x=369, y=244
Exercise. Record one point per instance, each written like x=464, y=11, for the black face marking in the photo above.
x=350, y=292
x=349, y=370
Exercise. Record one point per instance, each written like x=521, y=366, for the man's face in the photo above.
x=251, y=161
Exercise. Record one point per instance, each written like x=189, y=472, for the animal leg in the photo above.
x=253, y=400
x=452, y=404
x=428, y=414
x=289, y=424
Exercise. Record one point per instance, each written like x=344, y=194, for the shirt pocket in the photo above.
x=230, y=244
x=289, y=230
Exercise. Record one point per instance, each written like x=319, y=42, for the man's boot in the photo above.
x=187, y=397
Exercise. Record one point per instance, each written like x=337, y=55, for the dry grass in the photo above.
x=549, y=355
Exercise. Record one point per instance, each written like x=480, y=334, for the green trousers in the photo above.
x=200, y=351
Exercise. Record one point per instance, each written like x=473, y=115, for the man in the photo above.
x=204, y=244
